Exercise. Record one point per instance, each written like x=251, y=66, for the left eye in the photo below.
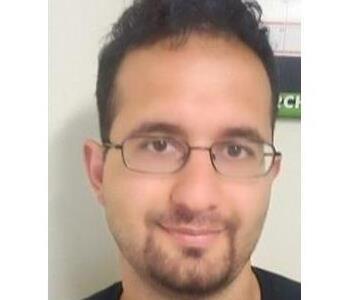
x=237, y=151
x=234, y=150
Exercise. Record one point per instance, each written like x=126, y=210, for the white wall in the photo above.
x=279, y=246
x=82, y=255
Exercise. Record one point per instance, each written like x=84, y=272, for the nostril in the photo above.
x=212, y=207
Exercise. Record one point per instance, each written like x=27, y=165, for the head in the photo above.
x=197, y=71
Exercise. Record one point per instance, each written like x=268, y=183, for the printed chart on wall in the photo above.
x=284, y=29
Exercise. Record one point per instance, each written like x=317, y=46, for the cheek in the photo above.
x=129, y=197
x=252, y=198
x=249, y=205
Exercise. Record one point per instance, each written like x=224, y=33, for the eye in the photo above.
x=236, y=151
x=158, y=145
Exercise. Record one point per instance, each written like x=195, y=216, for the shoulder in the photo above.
x=274, y=286
x=112, y=292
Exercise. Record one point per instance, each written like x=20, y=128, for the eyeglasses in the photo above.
x=236, y=158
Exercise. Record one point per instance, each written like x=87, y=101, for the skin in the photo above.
x=203, y=87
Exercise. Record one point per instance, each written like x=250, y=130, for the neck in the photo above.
x=244, y=287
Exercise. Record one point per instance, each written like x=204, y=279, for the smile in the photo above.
x=193, y=237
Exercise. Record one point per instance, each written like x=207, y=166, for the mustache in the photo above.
x=182, y=215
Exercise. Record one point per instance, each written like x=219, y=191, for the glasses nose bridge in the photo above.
x=203, y=148
x=199, y=148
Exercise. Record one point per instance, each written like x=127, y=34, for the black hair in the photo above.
x=149, y=21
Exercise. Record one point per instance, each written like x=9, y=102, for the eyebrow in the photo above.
x=157, y=127
x=150, y=127
x=243, y=132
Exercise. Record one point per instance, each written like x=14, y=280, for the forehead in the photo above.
x=205, y=85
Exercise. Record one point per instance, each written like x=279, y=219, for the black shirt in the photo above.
x=272, y=287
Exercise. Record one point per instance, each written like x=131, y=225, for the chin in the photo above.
x=192, y=271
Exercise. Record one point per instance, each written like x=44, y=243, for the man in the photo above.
x=187, y=100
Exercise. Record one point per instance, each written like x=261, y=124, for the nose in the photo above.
x=197, y=184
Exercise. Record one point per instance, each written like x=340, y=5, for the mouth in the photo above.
x=193, y=237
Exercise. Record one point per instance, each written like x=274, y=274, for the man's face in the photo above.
x=195, y=229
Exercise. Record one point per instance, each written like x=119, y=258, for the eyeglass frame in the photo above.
x=109, y=145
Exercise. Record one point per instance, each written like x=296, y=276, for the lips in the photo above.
x=192, y=236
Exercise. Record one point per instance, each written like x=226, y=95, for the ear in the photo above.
x=276, y=166
x=94, y=162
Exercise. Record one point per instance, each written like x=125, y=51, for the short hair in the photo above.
x=146, y=22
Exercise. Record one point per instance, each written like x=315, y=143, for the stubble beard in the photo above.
x=191, y=272
x=186, y=272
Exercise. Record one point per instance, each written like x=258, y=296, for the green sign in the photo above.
x=289, y=105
